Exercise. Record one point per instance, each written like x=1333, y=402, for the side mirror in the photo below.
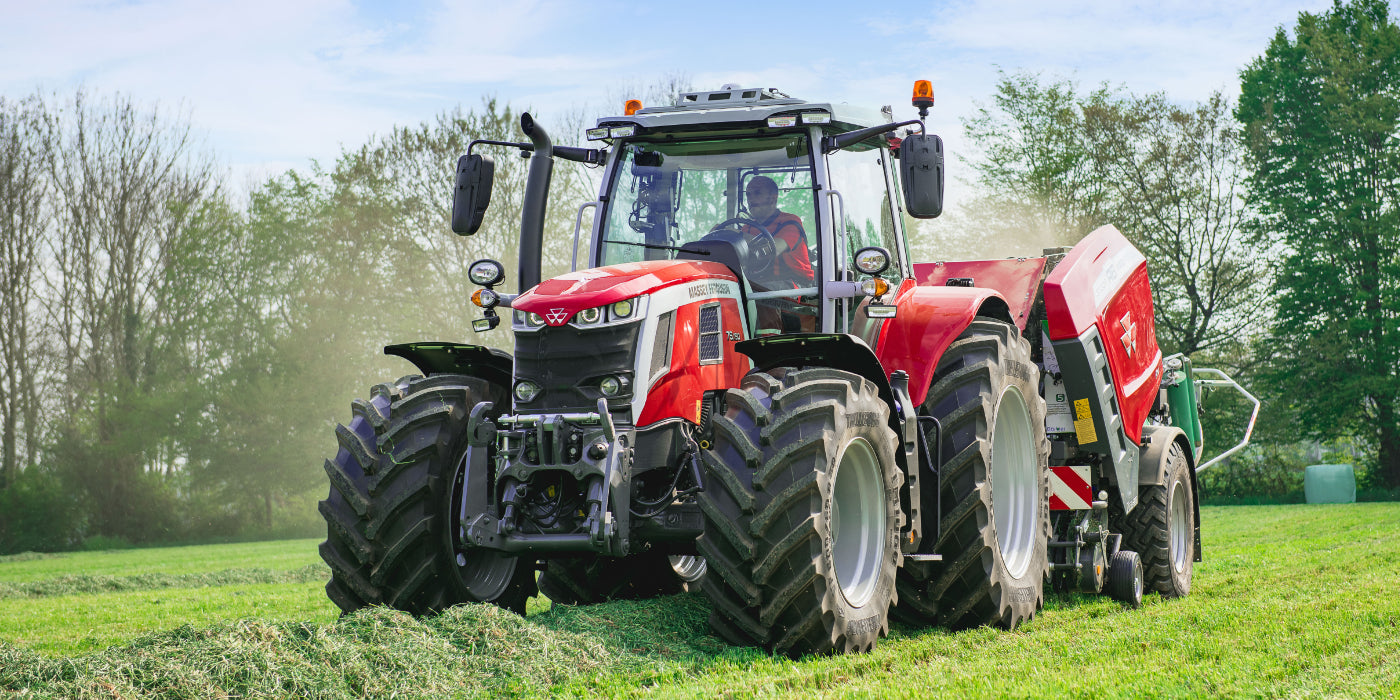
x=472, y=193
x=921, y=171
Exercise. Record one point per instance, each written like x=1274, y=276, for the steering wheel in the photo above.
x=762, y=247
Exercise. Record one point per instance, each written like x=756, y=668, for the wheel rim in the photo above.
x=858, y=522
x=486, y=573
x=1014, y=478
x=1177, y=524
x=688, y=566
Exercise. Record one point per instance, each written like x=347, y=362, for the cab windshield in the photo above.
x=665, y=195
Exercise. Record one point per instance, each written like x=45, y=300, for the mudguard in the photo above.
x=927, y=320
x=430, y=358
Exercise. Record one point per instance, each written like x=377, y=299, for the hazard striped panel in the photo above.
x=1070, y=489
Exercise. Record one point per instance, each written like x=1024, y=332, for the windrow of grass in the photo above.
x=468, y=651
x=1291, y=601
x=78, y=584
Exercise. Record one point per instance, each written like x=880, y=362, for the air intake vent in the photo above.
x=710, y=335
x=661, y=350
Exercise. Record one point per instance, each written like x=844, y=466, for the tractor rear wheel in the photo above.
x=1162, y=528
x=802, y=514
x=593, y=579
x=391, y=513
x=995, y=524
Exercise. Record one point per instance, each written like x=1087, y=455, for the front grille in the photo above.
x=569, y=362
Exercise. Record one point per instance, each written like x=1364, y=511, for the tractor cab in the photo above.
x=773, y=187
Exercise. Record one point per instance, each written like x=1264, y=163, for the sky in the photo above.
x=274, y=84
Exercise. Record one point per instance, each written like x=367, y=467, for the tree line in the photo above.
x=174, y=355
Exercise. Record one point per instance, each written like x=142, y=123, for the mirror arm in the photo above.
x=840, y=141
x=591, y=156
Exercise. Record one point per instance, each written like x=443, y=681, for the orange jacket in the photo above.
x=795, y=262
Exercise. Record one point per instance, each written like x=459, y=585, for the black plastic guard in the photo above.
x=490, y=364
x=834, y=350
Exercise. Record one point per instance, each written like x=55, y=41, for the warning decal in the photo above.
x=1084, y=423
x=1069, y=488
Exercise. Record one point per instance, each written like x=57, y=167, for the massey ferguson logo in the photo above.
x=1129, y=337
x=556, y=316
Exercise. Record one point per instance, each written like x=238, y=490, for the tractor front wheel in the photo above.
x=392, y=513
x=802, y=514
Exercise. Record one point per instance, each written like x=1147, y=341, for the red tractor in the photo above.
x=751, y=389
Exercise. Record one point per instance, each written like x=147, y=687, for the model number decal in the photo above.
x=706, y=289
x=733, y=336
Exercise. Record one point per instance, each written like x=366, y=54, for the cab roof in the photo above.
x=738, y=106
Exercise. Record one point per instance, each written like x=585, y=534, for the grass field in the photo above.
x=1290, y=601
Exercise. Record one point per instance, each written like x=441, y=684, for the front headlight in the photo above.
x=589, y=316
x=623, y=309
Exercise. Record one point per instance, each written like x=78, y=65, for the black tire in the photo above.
x=389, y=518
x=1125, y=578
x=793, y=452
x=1162, y=528
x=592, y=579
x=986, y=375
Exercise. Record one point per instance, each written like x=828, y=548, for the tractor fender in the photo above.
x=927, y=320
x=1152, y=466
x=432, y=358
x=837, y=351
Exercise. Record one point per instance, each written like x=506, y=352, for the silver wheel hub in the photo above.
x=1014, y=483
x=1177, y=521
x=858, y=522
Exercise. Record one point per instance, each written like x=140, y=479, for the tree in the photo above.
x=1036, y=171
x=128, y=189
x=1175, y=186
x=1322, y=113
x=24, y=135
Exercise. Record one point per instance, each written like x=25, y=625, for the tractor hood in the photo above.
x=558, y=299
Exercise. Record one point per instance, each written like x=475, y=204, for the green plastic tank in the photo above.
x=1330, y=483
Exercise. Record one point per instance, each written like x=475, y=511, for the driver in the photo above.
x=790, y=261
x=792, y=268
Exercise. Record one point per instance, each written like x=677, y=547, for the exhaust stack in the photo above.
x=536, y=198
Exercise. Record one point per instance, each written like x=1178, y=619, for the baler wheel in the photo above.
x=391, y=512
x=1162, y=528
x=593, y=579
x=802, y=513
x=1125, y=578
x=995, y=524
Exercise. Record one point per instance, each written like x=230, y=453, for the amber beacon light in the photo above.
x=631, y=107
x=923, y=96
